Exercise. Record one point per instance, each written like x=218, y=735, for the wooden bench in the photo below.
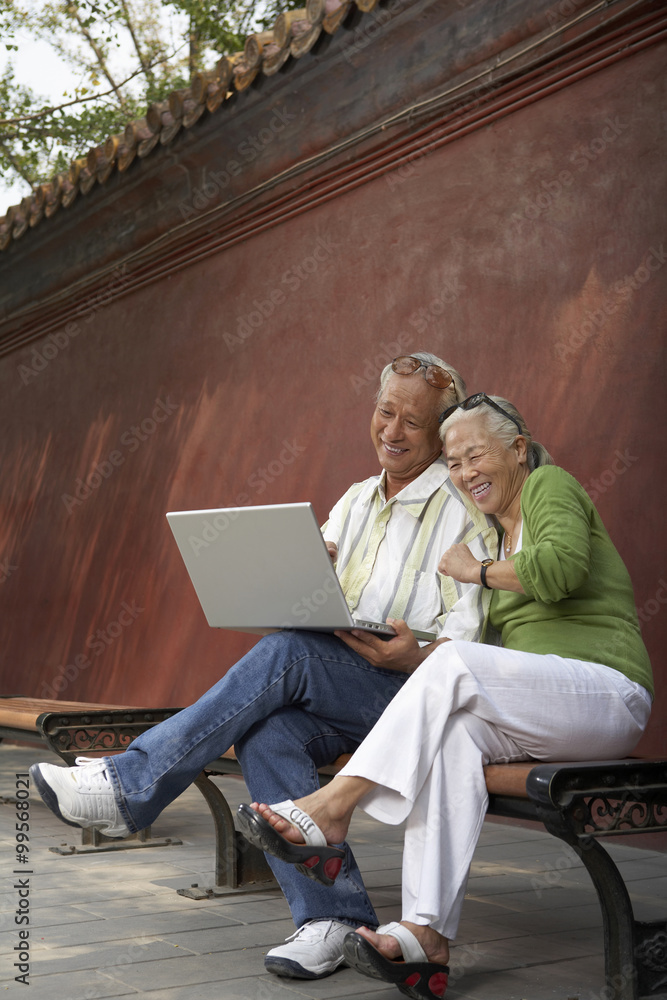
x=581, y=803
x=20, y=719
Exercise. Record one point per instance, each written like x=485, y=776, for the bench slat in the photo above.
x=22, y=713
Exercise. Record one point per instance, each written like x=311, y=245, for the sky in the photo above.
x=39, y=67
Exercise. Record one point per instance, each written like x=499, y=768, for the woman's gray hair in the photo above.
x=454, y=393
x=503, y=428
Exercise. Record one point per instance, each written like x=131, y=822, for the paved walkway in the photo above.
x=112, y=924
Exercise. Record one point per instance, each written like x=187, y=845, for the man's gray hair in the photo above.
x=454, y=393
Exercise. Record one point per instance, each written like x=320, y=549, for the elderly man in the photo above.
x=299, y=699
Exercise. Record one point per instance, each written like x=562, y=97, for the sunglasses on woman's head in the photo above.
x=474, y=401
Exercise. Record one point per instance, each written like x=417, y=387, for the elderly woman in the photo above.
x=571, y=681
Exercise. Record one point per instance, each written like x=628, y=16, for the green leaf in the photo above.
x=83, y=33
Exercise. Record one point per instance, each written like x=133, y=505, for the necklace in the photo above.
x=508, y=536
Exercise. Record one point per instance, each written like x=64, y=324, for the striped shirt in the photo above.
x=388, y=553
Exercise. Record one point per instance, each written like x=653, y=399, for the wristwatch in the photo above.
x=485, y=565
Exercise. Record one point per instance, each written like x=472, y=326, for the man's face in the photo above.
x=404, y=427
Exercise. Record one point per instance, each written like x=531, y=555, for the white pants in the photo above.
x=468, y=705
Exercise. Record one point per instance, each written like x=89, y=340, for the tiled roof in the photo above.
x=293, y=35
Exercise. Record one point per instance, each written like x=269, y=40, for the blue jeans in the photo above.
x=294, y=702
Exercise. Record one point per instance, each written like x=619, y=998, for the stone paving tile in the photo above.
x=250, y=988
x=501, y=831
x=191, y=864
x=208, y=941
x=119, y=928
x=343, y=983
x=381, y=848
x=515, y=952
x=649, y=908
x=71, y=893
x=507, y=882
x=528, y=899
x=501, y=908
x=379, y=862
x=475, y=927
x=182, y=970
x=86, y=985
x=651, y=887
x=367, y=991
x=636, y=870
x=49, y=864
x=382, y=879
x=582, y=979
x=201, y=879
x=105, y=958
x=271, y=988
x=163, y=902
x=252, y=912
x=206, y=880
x=387, y=905
x=544, y=866
x=530, y=852
x=117, y=870
x=479, y=930
x=41, y=918
x=95, y=881
x=521, y=937
x=632, y=847
x=387, y=914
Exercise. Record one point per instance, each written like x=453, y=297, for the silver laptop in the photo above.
x=261, y=569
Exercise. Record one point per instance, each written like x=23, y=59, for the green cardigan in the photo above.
x=578, y=599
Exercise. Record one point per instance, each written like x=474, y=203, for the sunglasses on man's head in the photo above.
x=436, y=376
x=472, y=402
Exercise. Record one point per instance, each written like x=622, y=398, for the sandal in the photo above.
x=322, y=866
x=415, y=976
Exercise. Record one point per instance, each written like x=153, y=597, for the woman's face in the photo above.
x=481, y=465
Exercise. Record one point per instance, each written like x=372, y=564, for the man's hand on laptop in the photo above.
x=402, y=653
x=332, y=549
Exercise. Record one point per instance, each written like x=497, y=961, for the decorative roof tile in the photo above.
x=294, y=33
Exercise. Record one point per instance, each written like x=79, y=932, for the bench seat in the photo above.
x=19, y=715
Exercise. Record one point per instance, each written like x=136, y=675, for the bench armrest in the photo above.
x=601, y=799
x=108, y=731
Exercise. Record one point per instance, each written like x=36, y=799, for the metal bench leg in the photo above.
x=225, y=848
x=578, y=802
x=617, y=920
x=238, y=864
x=635, y=952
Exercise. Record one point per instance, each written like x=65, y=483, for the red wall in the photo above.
x=529, y=253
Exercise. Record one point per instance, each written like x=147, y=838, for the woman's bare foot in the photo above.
x=435, y=945
x=330, y=808
x=333, y=827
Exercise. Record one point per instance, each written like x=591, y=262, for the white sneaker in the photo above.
x=314, y=951
x=81, y=796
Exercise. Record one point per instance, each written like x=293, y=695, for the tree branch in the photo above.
x=145, y=63
x=73, y=13
x=17, y=165
x=80, y=100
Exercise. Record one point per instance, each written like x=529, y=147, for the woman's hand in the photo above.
x=459, y=563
